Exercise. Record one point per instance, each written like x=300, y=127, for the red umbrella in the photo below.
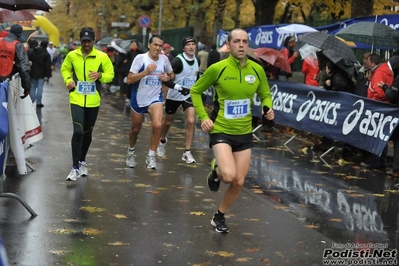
x=11, y=16
x=273, y=57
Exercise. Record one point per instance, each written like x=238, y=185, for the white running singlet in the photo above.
x=149, y=88
x=186, y=79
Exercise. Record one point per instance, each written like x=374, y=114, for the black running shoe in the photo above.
x=219, y=223
x=212, y=178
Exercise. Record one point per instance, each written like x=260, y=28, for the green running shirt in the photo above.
x=234, y=91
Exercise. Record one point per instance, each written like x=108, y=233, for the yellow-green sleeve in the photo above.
x=107, y=70
x=66, y=70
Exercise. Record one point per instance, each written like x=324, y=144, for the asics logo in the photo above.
x=230, y=78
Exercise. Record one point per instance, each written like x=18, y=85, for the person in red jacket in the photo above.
x=310, y=67
x=382, y=73
x=290, y=54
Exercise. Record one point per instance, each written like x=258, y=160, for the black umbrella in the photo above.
x=125, y=44
x=324, y=41
x=25, y=4
x=371, y=33
x=343, y=63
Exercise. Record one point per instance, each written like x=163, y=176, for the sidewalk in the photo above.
x=123, y=216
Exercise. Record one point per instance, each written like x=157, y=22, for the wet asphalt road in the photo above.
x=293, y=206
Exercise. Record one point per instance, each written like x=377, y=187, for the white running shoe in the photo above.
x=73, y=175
x=161, y=149
x=83, y=169
x=188, y=157
x=130, y=161
x=151, y=163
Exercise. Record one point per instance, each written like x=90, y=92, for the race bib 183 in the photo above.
x=234, y=109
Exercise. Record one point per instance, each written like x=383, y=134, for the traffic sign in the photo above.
x=144, y=21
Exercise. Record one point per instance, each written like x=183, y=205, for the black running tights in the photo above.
x=83, y=119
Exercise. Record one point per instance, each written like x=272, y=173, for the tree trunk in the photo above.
x=218, y=22
x=264, y=11
x=361, y=8
x=237, y=12
x=199, y=15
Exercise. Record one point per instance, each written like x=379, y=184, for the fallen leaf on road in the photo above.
x=63, y=231
x=243, y=259
x=153, y=191
x=311, y=226
x=257, y=191
x=118, y=243
x=252, y=250
x=92, y=232
x=182, y=200
x=252, y=220
x=197, y=213
x=223, y=254
x=92, y=209
x=280, y=207
x=141, y=185
x=356, y=195
x=120, y=216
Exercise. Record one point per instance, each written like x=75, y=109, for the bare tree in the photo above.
x=236, y=17
x=218, y=21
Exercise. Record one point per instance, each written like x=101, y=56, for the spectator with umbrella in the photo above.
x=392, y=93
x=362, y=82
x=338, y=80
x=290, y=54
x=383, y=74
x=310, y=68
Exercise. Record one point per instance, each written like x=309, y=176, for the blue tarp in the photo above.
x=267, y=36
x=3, y=123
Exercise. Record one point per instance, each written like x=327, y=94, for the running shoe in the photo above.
x=83, y=169
x=151, y=163
x=73, y=175
x=130, y=161
x=161, y=149
x=219, y=223
x=188, y=157
x=212, y=178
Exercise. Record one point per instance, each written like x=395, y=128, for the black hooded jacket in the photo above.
x=41, y=62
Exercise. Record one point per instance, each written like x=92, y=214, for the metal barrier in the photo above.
x=6, y=152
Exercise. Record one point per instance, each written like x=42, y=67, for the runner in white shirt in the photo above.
x=146, y=75
x=185, y=67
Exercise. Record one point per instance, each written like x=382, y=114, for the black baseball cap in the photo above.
x=87, y=33
x=16, y=29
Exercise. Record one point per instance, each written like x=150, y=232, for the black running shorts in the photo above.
x=171, y=106
x=236, y=142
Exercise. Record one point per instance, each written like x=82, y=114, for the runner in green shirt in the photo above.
x=235, y=80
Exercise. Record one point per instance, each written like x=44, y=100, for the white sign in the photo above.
x=120, y=24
